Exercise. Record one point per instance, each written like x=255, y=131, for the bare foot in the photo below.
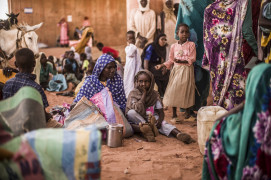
x=146, y=130
x=152, y=121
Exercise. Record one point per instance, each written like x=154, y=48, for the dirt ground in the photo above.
x=167, y=158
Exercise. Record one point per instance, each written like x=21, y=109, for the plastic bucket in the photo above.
x=205, y=120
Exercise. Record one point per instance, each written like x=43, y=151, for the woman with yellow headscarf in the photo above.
x=80, y=47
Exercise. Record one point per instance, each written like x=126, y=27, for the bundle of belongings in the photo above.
x=99, y=110
x=44, y=153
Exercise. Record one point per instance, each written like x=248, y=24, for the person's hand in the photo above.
x=164, y=70
x=159, y=66
x=158, y=124
x=51, y=61
x=141, y=41
x=143, y=90
x=8, y=71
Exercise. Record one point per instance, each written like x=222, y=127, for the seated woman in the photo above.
x=145, y=110
x=239, y=143
x=104, y=75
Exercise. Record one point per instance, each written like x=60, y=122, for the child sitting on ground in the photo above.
x=83, y=58
x=144, y=110
x=71, y=79
x=57, y=62
x=47, y=67
x=73, y=62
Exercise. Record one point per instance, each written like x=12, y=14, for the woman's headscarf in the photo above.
x=161, y=51
x=80, y=47
x=92, y=84
x=151, y=97
x=169, y=14
x=239, y=145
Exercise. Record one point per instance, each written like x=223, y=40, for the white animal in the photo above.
x=22, y=36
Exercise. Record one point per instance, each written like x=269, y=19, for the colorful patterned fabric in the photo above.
x=85, y=114
x=239, y=145
x=92, y=84
x=222, y=41
x=23, y=79
x=110, y=111
x=23, y=112
x=54, y=154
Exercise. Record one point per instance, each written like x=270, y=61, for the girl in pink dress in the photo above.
x=64, y=38
x=180, y=90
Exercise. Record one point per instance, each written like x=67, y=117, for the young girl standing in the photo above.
x=180, y=91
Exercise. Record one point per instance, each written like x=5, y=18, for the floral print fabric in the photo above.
x=222, y=40
x=239, y=146
x=259, y=166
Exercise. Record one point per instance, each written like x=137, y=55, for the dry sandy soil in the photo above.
x=167, y=158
